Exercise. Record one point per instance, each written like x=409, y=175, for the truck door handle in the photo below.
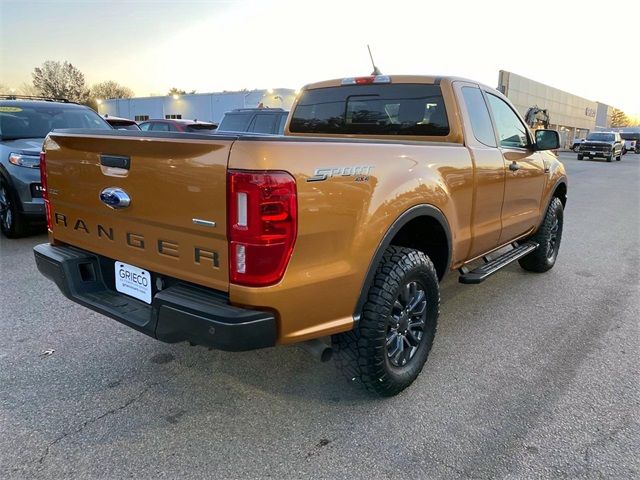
x=117, y=161
x=513, y=166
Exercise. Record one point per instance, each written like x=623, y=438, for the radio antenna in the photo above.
x=376, y=70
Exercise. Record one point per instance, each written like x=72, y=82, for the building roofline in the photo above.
x=182, y=95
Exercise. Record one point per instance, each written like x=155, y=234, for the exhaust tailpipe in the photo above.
x=318, y=349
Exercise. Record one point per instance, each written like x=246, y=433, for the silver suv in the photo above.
x=24, y=123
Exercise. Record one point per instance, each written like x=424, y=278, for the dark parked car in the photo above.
x=608, y=145
x=178, y=125
x=122, y=123
x=256, y=120
x=24, y=122
x=575, y=146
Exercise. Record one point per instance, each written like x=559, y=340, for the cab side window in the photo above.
x=511, y=131
x=479, y=116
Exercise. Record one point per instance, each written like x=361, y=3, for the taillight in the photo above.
x=262, y=225
x=45, y=189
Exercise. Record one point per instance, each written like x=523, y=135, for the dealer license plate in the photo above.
x=133, y=281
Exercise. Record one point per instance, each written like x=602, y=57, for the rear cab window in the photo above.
x=282, y=123
x=235, y=122
x=377, y=109
x=263, y=123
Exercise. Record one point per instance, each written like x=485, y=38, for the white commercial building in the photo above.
x=572, y=116
x=209, y=107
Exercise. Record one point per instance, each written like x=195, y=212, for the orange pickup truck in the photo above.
x=335, y=235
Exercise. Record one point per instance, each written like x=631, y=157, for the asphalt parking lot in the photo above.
x=531, y=376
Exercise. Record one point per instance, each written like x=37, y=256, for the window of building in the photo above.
x=141, y=118
x=479, y=115
x=177, y=116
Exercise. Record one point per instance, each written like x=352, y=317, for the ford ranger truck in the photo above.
x=338, y=231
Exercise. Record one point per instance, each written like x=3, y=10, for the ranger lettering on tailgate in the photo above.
x=162, y=247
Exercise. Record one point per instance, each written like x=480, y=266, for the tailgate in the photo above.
x=175, y=223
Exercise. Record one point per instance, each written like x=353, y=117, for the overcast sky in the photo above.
x=208, y=45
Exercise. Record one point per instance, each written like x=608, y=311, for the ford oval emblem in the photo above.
x=114, y=197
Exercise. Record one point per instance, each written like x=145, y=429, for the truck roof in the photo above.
x=427, y=79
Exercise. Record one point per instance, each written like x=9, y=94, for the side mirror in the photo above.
x=547, y=139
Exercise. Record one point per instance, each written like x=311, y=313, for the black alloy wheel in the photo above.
x=6, y=209
x=406, y=324
x=12, y=223
x=390, y=343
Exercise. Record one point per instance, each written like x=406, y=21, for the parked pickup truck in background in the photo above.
x=255, y=120
x=607, y=145
x=631, y=141
x=341, y=229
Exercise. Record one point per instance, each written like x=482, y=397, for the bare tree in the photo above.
x=60, y=80
x=28, y=89
x=110, y=89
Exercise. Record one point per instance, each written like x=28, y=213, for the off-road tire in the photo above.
x=362, y=353
x=580, y=157
x=548, y=238
x=12, y=222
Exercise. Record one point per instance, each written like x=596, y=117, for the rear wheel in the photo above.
x=12, y=222
x=548, y=238
x=391, y=342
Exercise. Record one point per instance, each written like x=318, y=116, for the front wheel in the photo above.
x=391, y=342
x=548, y=238
x=12, y=222
x=580, y=157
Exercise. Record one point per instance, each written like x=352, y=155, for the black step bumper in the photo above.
x=181, y=312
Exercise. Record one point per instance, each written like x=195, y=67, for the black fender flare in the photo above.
x=561, y=181
x=416, y=211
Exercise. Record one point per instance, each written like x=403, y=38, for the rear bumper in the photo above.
x=181, y=312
